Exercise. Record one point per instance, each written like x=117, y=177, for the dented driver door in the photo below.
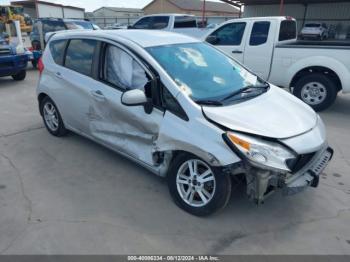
x=127, y=129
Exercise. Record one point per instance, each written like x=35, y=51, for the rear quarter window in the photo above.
x=288, y=30
x=57, y=50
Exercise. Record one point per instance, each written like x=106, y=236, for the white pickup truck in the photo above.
x=178, y=23
x=314, y=71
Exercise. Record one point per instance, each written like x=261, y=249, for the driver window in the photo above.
x=123, y=71
x=230, y=34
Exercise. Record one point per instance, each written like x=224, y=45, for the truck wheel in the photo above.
x=196, y=187
x=316, y=90
x=52, y=118
x=20, y=76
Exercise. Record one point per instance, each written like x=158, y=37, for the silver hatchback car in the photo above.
x=185, y=111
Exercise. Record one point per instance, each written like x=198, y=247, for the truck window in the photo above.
x=260, y=33
x=185, y=22
x=159, y=22
x=230, y=34
x=143, y=23
x=80, y=55
x=57, y=50
x=53, y=26
x=288, y=30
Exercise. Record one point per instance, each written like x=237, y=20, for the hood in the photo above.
x=274, y=114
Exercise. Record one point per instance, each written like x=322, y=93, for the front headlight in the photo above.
x=261, y=153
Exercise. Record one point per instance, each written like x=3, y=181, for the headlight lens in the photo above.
x=264, y=154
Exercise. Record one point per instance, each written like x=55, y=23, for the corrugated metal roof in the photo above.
x=197, y=5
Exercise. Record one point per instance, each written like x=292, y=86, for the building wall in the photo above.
x=106, y=12
x=163, y=6
x=73, y=13
x=50, y=11
x=336, y=15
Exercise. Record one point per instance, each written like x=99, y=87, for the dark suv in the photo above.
x=57, y=24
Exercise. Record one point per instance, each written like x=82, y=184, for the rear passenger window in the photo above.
x=260, y=33
x=288, y=30
x=230, y=34
x=57, y=50
x=185, y=22
x=80, y=54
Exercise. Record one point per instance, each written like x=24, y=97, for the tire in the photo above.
x=52, y=118
x=216, y=192
x=35, y=64
x=317, y=90
x=20, y=76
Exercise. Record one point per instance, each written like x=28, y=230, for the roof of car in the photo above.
x=144, y=38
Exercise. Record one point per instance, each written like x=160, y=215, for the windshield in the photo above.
x=203, y=72
x=79, y=25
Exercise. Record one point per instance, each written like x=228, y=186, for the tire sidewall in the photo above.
x=222, y=191
x=325, y=81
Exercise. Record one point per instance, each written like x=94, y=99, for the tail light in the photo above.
x=40, y=66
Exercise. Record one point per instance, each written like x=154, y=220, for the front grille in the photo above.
x=6, y=65
x=300, y=162
x=4, y=51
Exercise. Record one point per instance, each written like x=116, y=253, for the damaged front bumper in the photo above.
x=262, y=183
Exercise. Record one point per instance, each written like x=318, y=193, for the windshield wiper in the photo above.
x=209, y=102
x=243, y=90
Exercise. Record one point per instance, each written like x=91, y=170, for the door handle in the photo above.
x=237, y=52
x=58, y=75
x=98, y=94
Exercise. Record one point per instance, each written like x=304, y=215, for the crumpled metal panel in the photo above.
x=198, y=137
x=124, y=128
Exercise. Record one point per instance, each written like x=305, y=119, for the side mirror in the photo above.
x=212, y=39
x=135, y=97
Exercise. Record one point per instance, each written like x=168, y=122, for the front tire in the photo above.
x=52, y=118
x=196, y=187
x=317, y=90
x=20, y=76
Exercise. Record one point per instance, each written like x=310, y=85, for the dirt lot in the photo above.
x=72, y=196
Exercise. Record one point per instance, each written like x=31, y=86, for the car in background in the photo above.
x=57, y=24
x=178, y=23
x=116, y=26
x=317, y=31
x=13, y=60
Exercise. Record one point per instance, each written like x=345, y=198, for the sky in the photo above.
x=91, y=5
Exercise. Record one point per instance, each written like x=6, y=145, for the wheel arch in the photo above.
x=41, y=97
x=317, y=69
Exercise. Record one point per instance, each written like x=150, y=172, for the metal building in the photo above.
x=334, y=13
x=38, y=9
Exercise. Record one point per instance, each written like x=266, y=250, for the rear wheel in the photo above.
x=317, y=90
x=196, y=187
x=20, y=76
x=52, y=118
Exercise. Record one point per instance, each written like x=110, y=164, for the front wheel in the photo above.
x=196, y=187
x=20, y=76
x=317, y=90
